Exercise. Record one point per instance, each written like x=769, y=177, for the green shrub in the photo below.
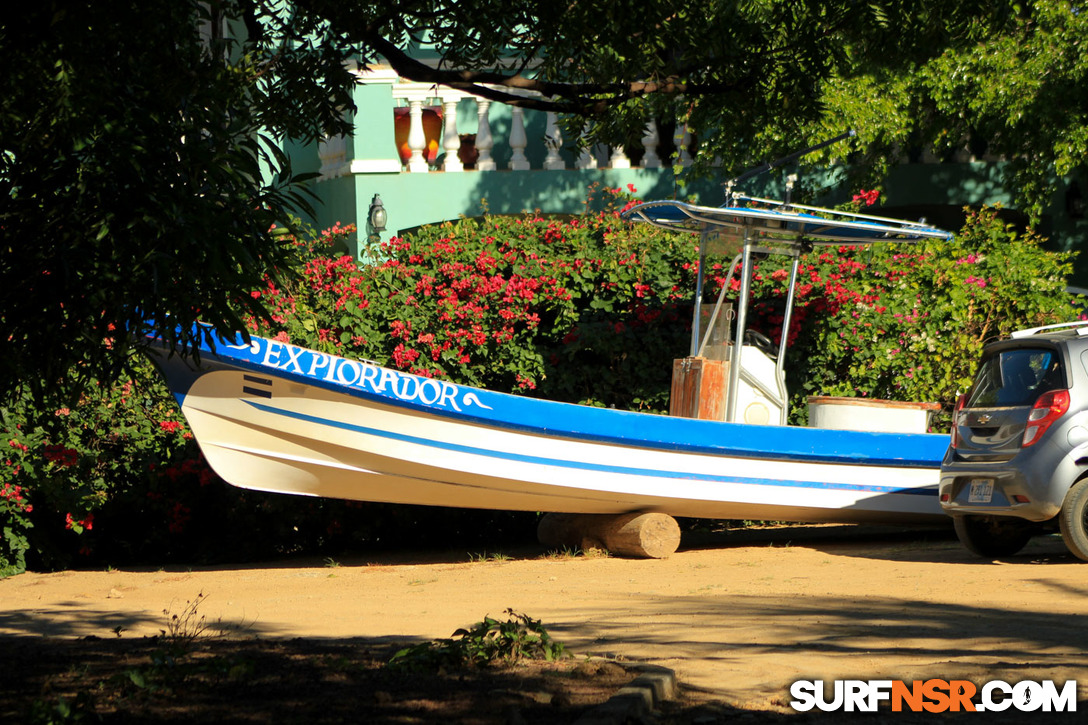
x=484, y=643
x=113, y=477
x=68, y=461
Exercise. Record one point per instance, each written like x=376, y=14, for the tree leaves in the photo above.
x=1011, y=84
x=140, y=175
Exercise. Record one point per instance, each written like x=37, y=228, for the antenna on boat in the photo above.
x=732, y=183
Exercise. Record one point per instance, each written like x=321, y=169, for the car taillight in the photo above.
x=960, y=402
x=1047, y=409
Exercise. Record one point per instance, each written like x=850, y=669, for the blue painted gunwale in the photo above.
x=576, y=422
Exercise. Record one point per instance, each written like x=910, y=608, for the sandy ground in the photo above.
x=741, y=616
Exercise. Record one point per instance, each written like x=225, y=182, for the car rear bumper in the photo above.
x=1028, y=486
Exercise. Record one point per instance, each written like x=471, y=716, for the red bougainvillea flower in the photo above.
x=71, y=522
x=61, y=455
x=14, y=494
x=867, y=198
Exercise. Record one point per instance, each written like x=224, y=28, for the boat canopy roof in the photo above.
x=777, y=223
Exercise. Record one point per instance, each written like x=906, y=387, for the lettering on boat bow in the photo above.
x=360, y=375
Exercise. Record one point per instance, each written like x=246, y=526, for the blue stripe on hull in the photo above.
x=584, y=465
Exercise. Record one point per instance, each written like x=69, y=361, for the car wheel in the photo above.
x=1073, y=519
x=993, y=536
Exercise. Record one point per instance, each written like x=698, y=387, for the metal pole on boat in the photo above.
x=742, y=321
x=780, y=364
x=789, y=310
x=718, y=305
x=697, y=315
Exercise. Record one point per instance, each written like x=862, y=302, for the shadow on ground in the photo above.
x=152, y=680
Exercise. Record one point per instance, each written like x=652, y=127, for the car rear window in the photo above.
x=1016, y=377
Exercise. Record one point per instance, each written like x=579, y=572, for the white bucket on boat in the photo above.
x=879, y=416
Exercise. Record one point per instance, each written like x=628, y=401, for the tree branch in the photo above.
x=579, y=98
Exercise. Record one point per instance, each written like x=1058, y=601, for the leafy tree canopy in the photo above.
x=1018, y=91
x=134, y=142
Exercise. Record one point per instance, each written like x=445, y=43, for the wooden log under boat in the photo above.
x=638, y=534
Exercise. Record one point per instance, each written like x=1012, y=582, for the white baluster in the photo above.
x=650, y=160
x=484, y=142
x=518, y=140
x=417, y=139
x=553, y=139
x=451, y=142
x=587, y=159
x=619, y=158
x=682, y=138
x=332, y=150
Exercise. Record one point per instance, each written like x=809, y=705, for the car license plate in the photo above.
x=982, y=490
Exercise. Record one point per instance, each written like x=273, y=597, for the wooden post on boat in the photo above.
x=645, y=535
x=698, y=388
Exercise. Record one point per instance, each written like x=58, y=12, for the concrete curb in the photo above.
x=634, y=702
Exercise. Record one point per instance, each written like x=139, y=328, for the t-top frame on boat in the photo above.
x=766, y=227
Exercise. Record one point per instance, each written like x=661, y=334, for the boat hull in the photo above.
x=275, y=417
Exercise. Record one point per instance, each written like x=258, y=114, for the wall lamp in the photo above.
x=377, y=216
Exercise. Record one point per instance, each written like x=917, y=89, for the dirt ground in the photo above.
x=738, y=615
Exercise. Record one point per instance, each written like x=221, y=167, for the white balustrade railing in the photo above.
x=479, y=156
x=418, y=96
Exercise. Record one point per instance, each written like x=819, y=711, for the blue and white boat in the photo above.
x=276, y=417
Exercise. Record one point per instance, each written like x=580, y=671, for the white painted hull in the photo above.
x=278, y=418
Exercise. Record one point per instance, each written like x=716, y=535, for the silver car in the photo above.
x=1017, y=464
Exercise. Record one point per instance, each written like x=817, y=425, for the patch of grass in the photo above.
x=568, y=552
x=708, y=588
x=572, y=552
x=171, y=664
x=493, y=556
